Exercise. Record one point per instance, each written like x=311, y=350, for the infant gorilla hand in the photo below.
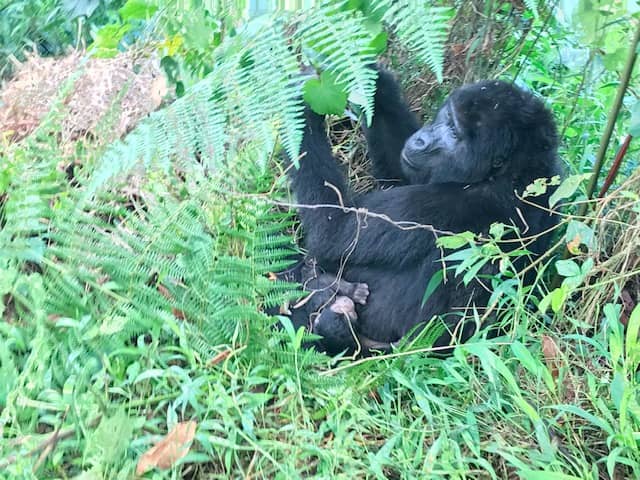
x=358, y=292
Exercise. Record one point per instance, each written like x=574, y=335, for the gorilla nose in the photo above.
x=418, y=142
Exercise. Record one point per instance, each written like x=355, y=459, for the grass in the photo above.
x=555, y=399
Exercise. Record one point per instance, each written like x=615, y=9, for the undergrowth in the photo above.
x=133, y=291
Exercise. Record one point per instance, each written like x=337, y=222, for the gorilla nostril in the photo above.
x=419, y=143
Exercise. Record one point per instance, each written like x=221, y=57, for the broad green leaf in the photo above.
x=616, y=389
x=496, y=230
x=633, y=329
x=107, y=40
x=455, y=241
x=379, y=42
x=567, y=268
x=567, y=188
x=558, y=296
x=579, y=233
x=324, y=95
x=137, y=10
x=539, y=186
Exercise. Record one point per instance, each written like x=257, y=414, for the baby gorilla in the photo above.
x=329, y=309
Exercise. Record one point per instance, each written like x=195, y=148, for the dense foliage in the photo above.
x=132, y=286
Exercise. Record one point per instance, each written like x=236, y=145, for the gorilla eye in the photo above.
x=452, y=128
x=451, y=123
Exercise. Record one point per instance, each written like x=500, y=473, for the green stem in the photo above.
x=611, y=121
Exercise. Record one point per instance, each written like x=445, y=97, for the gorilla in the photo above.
x=463, y=171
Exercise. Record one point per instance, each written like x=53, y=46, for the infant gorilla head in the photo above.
x=483, y=130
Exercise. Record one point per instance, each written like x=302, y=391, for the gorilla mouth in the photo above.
x=407, y=160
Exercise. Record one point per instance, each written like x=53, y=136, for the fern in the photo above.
x=341, y=42
x=252, y=98
x=427, y=37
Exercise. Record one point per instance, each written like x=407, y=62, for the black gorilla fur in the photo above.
x=460, y=172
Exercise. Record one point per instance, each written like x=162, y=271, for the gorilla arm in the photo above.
x=392, y=124
x=334, y=233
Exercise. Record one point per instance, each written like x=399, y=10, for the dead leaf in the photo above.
x=574, y=245
x=174, y=446
x=158, y=90
x=551, y=354
x=627, y=307
x=220, y=357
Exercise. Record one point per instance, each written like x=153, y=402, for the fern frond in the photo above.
x=341, y=42
x=425, y=38
x=250, y=100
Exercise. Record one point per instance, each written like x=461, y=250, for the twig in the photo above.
x=51, y=443
x=57, y=436
x=613, y=171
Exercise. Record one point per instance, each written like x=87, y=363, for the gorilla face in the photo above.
x=473, y=136
x=437, y=152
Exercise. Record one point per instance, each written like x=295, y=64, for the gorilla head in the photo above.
x=483, y=130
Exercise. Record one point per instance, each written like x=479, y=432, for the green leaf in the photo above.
x=567, y=268
x=634, y=129
x=455, y=241
x=616, y=389
x=108, y=38
x=80, y=8
x=580, y=232
x=567, y=188
x=379, y=43
x=633, y=328
x=558, y=296
x=434, y=282
x=324, y=95
x=539, y=186
x=496, y=230
x=137, y=10
x=545, y=475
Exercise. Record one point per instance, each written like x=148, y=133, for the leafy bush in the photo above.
x=132, y=292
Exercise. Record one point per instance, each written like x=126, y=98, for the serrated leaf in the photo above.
x=567, y=188
x=324, y=95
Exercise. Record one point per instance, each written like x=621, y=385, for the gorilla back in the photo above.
x=460, y=172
